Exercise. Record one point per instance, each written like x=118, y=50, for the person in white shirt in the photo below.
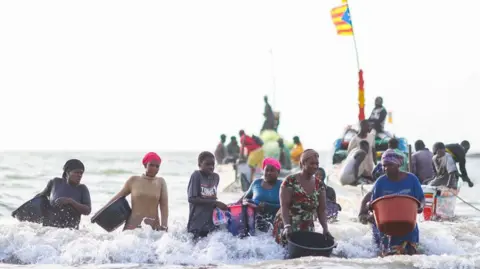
x=364, y=134
x=354, y=170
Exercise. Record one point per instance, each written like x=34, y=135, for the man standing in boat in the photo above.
x=378, y=116
x=269, y=123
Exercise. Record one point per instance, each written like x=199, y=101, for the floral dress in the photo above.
x=303, y=209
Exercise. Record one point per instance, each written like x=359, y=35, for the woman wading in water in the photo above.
x=302, y=198
x=148, y=193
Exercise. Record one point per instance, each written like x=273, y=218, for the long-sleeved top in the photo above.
x=459, y=155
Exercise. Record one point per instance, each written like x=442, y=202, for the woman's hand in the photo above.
x=221, y=205
x=369, y=206
x=363, y=219
x=261, y=206
x=287, y=231
x=328, y=235
x=63, y=201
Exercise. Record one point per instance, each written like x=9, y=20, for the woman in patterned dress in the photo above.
x=302, y=198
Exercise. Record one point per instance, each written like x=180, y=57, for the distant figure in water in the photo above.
x=149, y=193
x=459, y=154
x=269, y=123
x=221, y=150
x=296, y=151
x=68, y=198
x=255, y=151
x=378, y=116
x=284, y=158
x=422, y=162
x=445, y=168
x=233, y=151
x=202, y=197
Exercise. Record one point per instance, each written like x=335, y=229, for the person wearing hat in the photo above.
x=68, y=198
x=149, y=193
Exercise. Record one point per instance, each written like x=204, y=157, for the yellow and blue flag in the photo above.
x=341, y=19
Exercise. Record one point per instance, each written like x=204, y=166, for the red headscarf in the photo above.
x=151, y=156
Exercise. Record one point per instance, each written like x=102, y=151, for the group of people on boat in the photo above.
x=435, y=168
x=251, y=150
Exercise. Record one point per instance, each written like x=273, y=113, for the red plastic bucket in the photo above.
x=395, y=215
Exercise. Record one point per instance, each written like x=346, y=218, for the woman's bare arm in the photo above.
x=125, y=191
x=285, y=203
x=163, y=204
x=322, y=216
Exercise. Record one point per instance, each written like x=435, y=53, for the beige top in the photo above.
x=147, y=195
x=368, y=162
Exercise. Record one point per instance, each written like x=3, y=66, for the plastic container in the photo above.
x=395, y=215
x=114, y=215
x=242, y=220
x=302, y=244
x=429, y=208
x=445, y=205
x=220, y=217
x=33, y=210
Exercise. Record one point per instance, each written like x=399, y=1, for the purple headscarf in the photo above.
x=391, y=156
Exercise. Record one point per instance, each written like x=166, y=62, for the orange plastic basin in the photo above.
x=395, y=215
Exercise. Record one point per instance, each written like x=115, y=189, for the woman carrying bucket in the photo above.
x=302, y=198
x=396, y=182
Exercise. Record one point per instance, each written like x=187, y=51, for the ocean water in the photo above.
x=454, y=244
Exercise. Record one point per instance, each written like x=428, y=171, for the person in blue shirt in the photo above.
x=397, y=182
x=265, y=194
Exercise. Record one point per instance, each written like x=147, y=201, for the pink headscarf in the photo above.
x=273, y=162
x=151, y=156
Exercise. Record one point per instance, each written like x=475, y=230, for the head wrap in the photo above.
x=391, y=156
x=72, y=164
x=307, y=154
x=151, y=156
x=273, y=162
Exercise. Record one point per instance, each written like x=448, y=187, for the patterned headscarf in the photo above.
x=391, y=156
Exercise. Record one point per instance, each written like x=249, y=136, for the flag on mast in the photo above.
x=342, y=21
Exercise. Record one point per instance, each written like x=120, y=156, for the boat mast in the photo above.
x=273, y=80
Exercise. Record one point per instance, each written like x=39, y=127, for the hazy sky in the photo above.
x=176, y=74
